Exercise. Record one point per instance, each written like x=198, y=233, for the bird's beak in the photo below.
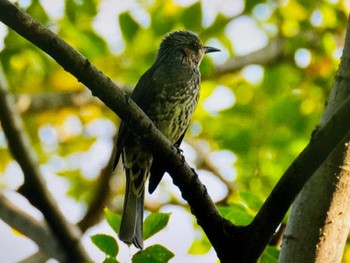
x=210, y=49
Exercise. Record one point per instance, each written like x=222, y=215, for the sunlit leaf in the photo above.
x=153, y=254
x=270, y=255
x=106, y=244
x=110, y=260
x=154, y=223
x=200, y=246
x=192, y=17
x=128, y=26
x=237, y=214
x=37, y=11
x=113, y=220
x=164, y=14
x=250, y=4
x=251, y=200
x=71, y=9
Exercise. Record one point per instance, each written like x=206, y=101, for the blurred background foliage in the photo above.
x=260, y=98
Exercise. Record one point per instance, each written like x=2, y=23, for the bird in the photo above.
x=168, y=93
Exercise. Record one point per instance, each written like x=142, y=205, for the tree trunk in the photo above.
x=318, y=224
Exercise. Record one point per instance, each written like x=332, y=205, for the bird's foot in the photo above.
x=181, y=153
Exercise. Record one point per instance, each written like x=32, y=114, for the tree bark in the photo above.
x=318, y=225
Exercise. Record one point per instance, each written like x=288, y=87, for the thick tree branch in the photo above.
x=34, y=187
x=323, y=141
x=318, y=227
x=38, y=231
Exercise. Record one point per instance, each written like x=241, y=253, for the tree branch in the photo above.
x=319, y=217
x=53, y=100
x=324, y=139
x=39, y=232
x=263, y=56
x=273, y=51
x=34, y=187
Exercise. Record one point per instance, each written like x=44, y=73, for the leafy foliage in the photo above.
x=153, y=254
x=154, y=223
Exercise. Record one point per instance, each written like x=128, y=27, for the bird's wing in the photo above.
x=180, y=76
x=158, y=170
x=142, y=95
x=151, y=83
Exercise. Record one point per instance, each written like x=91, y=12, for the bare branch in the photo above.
x=39, y=232
x=323, y=141
x=38, y=257
x=318, y=221
x=34, y=187
x=273, y=51
x=54, y=100
x=264, y=56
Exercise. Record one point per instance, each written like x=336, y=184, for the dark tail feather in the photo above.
x=132, y=219
x=157, y=172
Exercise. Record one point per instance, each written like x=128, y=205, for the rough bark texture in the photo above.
x=319, y=221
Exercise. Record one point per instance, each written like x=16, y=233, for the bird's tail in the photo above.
x=132, y=220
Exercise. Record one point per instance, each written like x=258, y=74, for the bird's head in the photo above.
x=184, y=46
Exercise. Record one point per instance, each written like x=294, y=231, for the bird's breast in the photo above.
x=173, y=108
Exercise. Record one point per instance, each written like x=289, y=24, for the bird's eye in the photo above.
x=195, y=46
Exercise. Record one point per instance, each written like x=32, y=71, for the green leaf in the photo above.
x=110, y=260
x=106, y=244
x=236, y=213
x=251, y=200
x=270, y=255
x=113, y=220
x=71, y=9
x=154, y=223
x=192, y=17
x=128, y=26
x=250, y=4
x=36, y=10
x=200, y=246
x=164, y=17
x=153, y=254
x=89, y=7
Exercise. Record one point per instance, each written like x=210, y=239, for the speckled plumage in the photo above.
x=168, y=93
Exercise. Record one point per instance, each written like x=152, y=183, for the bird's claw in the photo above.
x=180, y=152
